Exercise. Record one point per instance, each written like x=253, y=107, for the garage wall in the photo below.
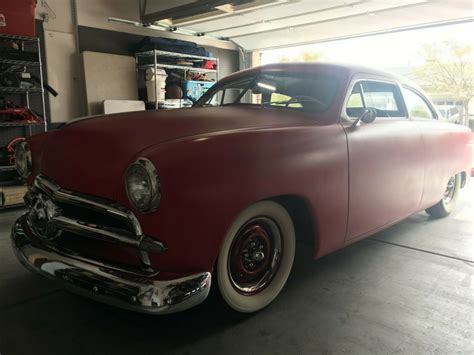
x=62, y=64
x=61, y=58
x=62, y=42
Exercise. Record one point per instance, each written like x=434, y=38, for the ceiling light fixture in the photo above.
x=229, y=8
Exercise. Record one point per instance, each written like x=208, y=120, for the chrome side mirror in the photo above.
x=368, y=116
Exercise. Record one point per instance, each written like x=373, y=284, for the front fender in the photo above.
x=208, y=180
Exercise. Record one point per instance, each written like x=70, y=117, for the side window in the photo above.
x=355, y=100
x=281, y=100
x=229, y=94
x=416, y=105
x=384, y=97
x=215, y=100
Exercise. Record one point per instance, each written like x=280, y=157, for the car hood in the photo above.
x=88, y=154
x=151, y=127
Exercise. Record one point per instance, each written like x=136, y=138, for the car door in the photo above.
x=385, y=157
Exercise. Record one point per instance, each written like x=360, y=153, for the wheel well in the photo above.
x=298, y=209
x=463, y=179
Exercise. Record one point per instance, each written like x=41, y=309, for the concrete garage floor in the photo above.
x=408, y=289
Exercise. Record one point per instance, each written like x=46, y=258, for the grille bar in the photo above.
x=100, y=205
x=93, y=231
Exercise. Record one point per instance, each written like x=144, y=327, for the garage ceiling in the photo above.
x=265, y=24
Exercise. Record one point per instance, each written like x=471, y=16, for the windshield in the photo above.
x=307, y=92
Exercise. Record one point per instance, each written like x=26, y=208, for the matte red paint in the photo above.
x=215, y=162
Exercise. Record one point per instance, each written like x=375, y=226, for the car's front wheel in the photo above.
x=256, y=257
x=445, y=206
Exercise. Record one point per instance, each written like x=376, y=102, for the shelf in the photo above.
x=19, y=62
x=18, y=38
x=166, y=60
x=8, y=90
x=172, y=55
x=7, y=168
x=27, y=56
x=180, y=67
x=20, y=124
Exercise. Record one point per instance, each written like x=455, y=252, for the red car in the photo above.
x=139, y=210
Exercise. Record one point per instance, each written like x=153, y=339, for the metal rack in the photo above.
x=7, y=129
x=24, y=64
x=181, y=67
x=20, y=62
x=156, y=62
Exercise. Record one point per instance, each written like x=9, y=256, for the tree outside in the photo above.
x=303, y=57
x=448, y=72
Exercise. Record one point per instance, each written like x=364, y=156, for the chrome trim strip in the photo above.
x=110, y=286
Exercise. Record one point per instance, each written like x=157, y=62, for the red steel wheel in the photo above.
x=256, y=257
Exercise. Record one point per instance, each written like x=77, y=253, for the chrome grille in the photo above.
x=54, y=210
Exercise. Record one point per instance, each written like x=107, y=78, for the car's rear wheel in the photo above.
x=445, y=206
x=256, y=257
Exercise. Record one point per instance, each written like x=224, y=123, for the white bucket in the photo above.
x=155, y=82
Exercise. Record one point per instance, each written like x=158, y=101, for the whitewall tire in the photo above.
x=445, y=206
x=256, y=257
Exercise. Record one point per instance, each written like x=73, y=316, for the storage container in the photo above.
x=17, y=17
x=195, y=89
x=155, y=82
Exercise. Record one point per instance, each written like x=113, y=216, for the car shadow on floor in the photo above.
x=317, y=292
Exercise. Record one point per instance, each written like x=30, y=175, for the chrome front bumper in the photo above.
x=108, y=285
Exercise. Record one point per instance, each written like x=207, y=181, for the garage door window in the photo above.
x=416, y=105
x=384, y=97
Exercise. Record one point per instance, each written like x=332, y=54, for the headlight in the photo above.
x=23, y=159
x=143, y=185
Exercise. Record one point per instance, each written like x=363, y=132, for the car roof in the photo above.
x=347, y=70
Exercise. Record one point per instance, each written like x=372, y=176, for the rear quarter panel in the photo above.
x=448, y=152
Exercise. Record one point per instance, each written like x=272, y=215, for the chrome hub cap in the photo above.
x=255, y=255
x=450, y=189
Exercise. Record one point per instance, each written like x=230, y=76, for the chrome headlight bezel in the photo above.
x=148, y=171
x=23, y=164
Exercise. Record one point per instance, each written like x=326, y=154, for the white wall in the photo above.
x=62, y=73
x=62, y=57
